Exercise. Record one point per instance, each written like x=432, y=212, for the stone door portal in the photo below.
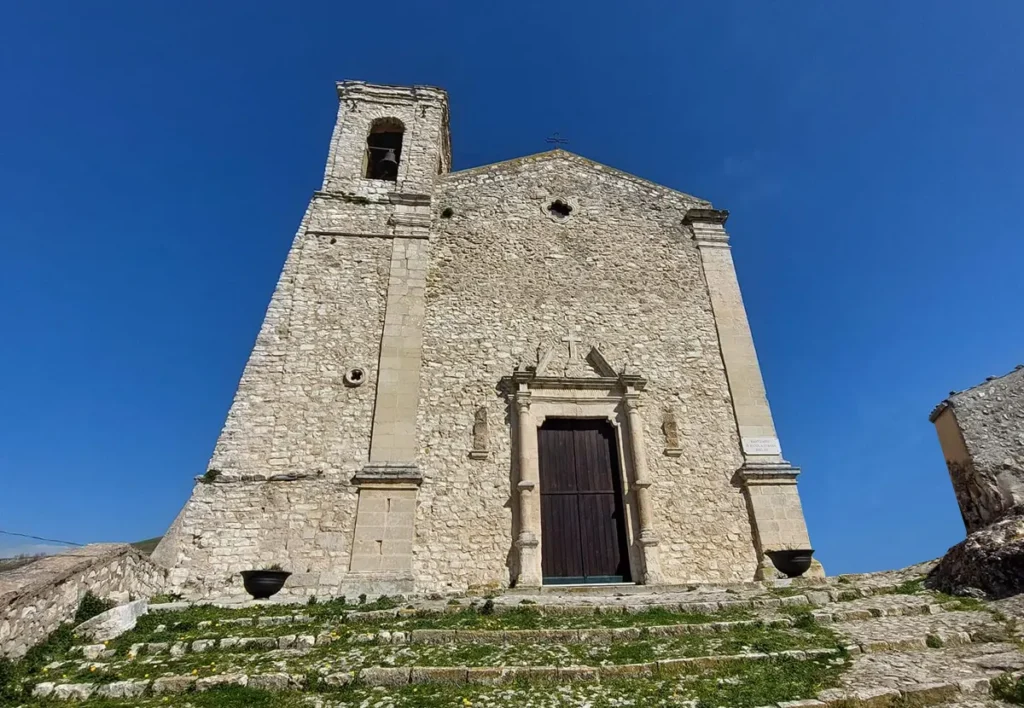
x=583, y=525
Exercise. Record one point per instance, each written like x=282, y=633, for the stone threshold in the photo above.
x=588, y=597
x=599, y=589
x=703, y=606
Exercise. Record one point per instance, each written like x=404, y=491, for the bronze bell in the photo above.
x=388, y=165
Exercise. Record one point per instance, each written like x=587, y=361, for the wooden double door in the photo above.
x=583, y=520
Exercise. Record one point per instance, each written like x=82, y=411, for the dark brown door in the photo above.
x=582, y=519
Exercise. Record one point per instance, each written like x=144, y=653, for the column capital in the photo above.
x=523, y=403
x=708, y=227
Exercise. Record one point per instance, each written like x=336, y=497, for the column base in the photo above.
x=530, y=572
x=767, y=571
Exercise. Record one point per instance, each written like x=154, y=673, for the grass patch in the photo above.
x=90, y=606
x=909, y=587
x=1009, y=689
x=526, y=617
x=962, y=604
x=785, y=591
x=17, y=678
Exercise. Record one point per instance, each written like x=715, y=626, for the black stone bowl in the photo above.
x=792, y=564
x=261, y=584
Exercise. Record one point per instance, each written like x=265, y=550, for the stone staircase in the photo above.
x=876, y=640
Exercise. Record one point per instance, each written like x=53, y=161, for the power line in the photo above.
x=40, y=538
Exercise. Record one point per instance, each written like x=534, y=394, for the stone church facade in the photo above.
x=537, y=371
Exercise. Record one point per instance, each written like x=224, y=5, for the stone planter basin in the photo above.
x=791, y=563
x=262, y=584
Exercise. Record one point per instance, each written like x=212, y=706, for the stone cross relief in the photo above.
x=574, y=366
x=569, y=360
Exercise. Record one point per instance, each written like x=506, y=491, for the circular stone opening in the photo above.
x=559, y=209
x=447, y=213
x=355, y=377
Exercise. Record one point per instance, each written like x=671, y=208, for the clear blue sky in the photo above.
x=156, y=157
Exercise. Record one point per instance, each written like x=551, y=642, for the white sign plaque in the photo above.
x=761, y=446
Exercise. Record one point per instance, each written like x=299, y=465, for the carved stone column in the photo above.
x=642, y=482
x=528, y=542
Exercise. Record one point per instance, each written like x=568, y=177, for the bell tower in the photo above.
x=389, y=145
x=388, y=139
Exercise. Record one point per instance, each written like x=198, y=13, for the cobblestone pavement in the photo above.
x=898, y=669
x=949, y=627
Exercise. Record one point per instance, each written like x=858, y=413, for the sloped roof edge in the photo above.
x=506, y=165
x=953, y=395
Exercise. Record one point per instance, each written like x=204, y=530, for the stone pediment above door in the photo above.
x=571, y=363
x=572, y=357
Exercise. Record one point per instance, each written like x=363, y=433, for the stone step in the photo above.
x=237, y=636
x=286, y=648
x=595, y=635
x=931, y=630
x=391, y=676
x=958, y=685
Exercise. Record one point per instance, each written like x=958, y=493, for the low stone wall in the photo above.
x=35, y=599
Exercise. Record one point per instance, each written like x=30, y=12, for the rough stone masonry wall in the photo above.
x=506, y=278
x=296, y=432
x=982, y=435
x=35, y=599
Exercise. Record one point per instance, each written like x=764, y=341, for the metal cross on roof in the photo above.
x=556, y=140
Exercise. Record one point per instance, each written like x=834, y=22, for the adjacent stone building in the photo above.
x=981, y=431
x=536, y=371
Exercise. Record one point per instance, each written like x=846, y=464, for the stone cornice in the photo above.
x=699, y=215
x=585, y=383
x=937, y=411
x=404, y=473
x=409, y=198
x=387, y=93
x=758, y=473
x=347, y=234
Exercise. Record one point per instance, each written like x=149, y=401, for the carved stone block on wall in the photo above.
x=670, y=426
x=481, y=436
